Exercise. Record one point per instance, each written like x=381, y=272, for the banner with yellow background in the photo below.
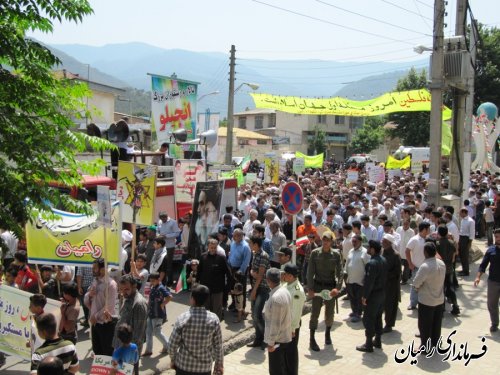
x=315, y=161
x=271, y=171
x=74, y=239
x=398, y=101
x=393, y=163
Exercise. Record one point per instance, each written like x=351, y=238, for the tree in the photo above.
x=412, y=127
x=316, y=145
x=37, y=145
x=370, y=136
x=487, y=79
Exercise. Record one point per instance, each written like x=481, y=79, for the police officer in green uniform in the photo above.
x=373, y=297
x=298, y=299
x=324, y=270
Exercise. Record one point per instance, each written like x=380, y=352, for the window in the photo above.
x=242, y=122
x=321, y=119
x=259, y=122
x=357, y=121
x=339, y=120
x=261, y=142
x=272, y=121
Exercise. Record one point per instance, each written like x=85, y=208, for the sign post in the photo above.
x=292, y=198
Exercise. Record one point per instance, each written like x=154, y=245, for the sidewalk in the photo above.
x=342, y=357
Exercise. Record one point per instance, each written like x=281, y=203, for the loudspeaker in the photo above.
x=192, y=155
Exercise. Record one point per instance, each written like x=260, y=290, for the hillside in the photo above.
x=128, y=65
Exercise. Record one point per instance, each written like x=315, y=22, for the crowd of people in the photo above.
x=355, y=240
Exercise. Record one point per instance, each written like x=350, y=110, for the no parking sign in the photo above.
x=292, y=197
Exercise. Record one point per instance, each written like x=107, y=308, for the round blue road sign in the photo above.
x=292, y=198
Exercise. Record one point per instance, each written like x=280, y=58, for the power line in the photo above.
x=406, y=10
x=323, y=50
x=420, y=14
x=425, y=4
x=332, y=23
x=321, y=68
x=338, y=76
x=372, y=18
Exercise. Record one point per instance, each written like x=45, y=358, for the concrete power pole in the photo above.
x=230, y=109
x=457, y=167
x=436, y=87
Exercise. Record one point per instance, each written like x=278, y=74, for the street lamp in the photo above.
x=421, y=49
x=216, y=92
x=230, y=119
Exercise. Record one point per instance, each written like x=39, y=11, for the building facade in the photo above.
x=294, y=132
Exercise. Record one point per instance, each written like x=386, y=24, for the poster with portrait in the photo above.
x=186, y=174
x=206, y=214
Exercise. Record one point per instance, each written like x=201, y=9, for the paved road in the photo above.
x=342, y=358
x=149, y=365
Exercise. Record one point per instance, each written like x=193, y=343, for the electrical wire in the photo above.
x=420, y=14
x=371, y=18
x=406, y=10
x=405, y=41
x=322, y=67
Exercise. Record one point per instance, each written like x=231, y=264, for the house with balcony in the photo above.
x=292, y=132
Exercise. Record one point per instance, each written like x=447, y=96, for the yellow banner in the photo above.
x=74, y=239
x=393, y=163
x=272, y=173
x=315, y=161
x=403, y=101
x=136, y=188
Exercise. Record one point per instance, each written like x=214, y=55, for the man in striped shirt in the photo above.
x=54, y=346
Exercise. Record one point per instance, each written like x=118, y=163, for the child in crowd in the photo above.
x=127, y=353
x=70, y=309
x=10, y=277
x=157, y=315
x=192, y=280
x=237, y=294
x=51, y=288
x=139, y=271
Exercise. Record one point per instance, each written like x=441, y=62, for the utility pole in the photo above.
x=436, y=86
x=230, y=109
x=469, y=108
x=457, y=168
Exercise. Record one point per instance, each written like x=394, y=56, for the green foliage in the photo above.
x=36, y=143
x=487, y=79
x=316, y=145
x=413, y=127
x=370, y=136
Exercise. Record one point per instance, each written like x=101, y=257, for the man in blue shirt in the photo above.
x=239, y=259
x=492, y=257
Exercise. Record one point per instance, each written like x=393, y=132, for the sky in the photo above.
x=355, y=30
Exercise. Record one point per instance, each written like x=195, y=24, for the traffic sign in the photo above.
x=292, y=197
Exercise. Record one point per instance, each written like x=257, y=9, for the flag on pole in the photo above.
x=182, y=282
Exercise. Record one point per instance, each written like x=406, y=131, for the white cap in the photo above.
x=127, y=236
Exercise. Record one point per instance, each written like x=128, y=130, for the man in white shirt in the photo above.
x=415, y=257
x=368, y=229
x=10, y=240
x=467, y=233
x=249, y=224
x=355, y=268
x=405, y=234
x=278, y=323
